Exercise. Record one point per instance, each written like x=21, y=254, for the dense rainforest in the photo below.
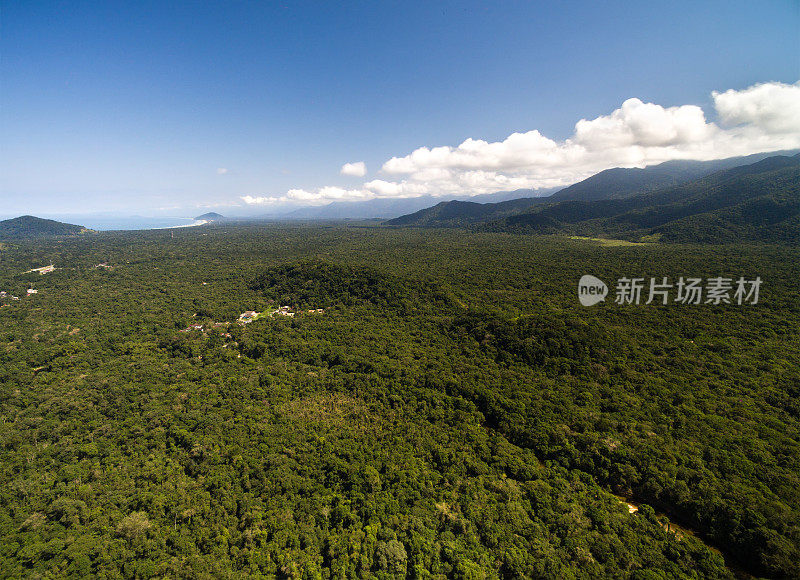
x=428, y=404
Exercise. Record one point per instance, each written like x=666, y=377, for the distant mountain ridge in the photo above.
x=755, y=202
x=28, y=226
x=388, y=208
x=462, y=213
x=617, y=183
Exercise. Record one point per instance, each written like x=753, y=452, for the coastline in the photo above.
x=191, y=225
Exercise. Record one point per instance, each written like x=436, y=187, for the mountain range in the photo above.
x=720, y=201
x=387, y=208
x=620, y=182
x=757, y=202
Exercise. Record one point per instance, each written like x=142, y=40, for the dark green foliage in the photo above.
x=320, y=284
x=619, y=183
x=463, y=213
x=28, y=226
x=453, y=413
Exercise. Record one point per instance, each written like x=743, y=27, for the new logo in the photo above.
x=591, y=290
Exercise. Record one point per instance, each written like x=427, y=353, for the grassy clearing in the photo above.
x=611, y=243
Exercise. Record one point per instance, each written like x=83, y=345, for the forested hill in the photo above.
x=757, y=202
x=210, y=216
x=462, y=213
x=318, y=284
x=29, y=226
x=617, y=183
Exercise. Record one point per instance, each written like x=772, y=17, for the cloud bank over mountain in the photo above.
x=763, y=117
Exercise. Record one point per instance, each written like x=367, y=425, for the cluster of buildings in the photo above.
x=7, y=296
x=248, y=317
x=286, y=311
x=207, y=327
x=4, y=296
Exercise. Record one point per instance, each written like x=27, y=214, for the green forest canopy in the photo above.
x=453, y=413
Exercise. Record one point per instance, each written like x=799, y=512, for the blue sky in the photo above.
x=137, y=106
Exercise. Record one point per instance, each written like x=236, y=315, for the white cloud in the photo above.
x=643, y=125
x=381, y=188
x=357, y=169
x=772, y=107
x=764, y=117
x=320, y=196
x=259, y=199
x=222, y=170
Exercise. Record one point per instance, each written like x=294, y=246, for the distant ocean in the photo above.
x=105, y=223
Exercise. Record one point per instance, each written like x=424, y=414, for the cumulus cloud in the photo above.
x=357, y=169
x=771, y=107
x=643, y=125
x=764, y=117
